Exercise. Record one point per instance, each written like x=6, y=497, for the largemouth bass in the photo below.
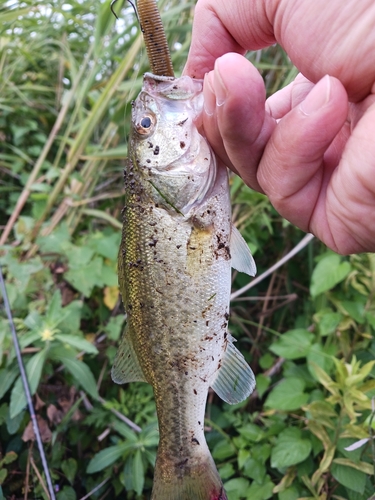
x=178, y=246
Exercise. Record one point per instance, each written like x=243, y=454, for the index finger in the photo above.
x=222, y=26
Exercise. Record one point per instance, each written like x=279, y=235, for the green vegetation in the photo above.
x=68, y=71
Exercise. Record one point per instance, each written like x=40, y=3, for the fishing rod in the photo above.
x=26, y=387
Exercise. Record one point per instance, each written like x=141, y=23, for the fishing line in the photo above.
x=26, y=387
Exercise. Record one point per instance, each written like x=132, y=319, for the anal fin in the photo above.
x=242, y=260
x=234, y=380
x=126, y=367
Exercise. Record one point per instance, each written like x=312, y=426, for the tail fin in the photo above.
x=183, y=482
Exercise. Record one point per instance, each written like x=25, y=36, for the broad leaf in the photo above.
x=138, y=473
x=106, y=245
x=290, y=449
x=260, y=491
x=287, y=395
x=329, y=271
x=237, y=488
x=77, y=342
x=294, y=344
x=7, y=377
x=69, y=468
x=107, y=457
x=349, y=477
x=67, y=493
x=34, y=369
x=80, y=371
x=85, y=277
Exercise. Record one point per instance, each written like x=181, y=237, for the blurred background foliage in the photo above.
x=68, y=72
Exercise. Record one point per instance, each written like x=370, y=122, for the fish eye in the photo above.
x=146, y=122
x=145, y=125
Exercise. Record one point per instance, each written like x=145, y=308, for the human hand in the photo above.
x=313, y=156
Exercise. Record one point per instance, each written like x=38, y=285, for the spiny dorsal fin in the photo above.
x=242, y=260
x=234, y=380
x=126, y=367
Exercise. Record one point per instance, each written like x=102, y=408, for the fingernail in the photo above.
x=220, y=89
x=318, y=96
x=209, y=95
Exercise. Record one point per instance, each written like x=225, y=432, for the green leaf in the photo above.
x=355, y=309
x=80, y=371
x=109, y=275
x=127, y=477
x=34, y=369
x=254, y=469
x=321, y=356
x=288, y=395
x=78, y=256
x=226, y=471
x=54, y=312
x=349, y=477
x=289, y=494
x=237, y=488
x=72, y=317
x=13, y=424
x=125, y=431
x=114, y=327
x=67, y=493
x=290, y=449
x=106, y=245
x=251, y=432
x=138, y=473
x=327, y=321
x=266, y=361
x=329, y=271
x=83, y=375
x=262, y=383
x=69, y=468
x=77, y=342
x=107, y=457
x=10, y=457
x=4, y=411
x=293, y=344
x=13, y=15
x=111, y=154
x=224, y=449
x=260, y=491
x=7, y=377
x=150, y=436
x=22, y=271
x=85, y=277
x=55, y=241
x=361, y=466
x=3, y=475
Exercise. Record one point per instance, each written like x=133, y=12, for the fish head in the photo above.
x=173, y=160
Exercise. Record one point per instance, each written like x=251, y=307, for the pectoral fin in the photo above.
x=242, y=260
x=235, y=379
x=126, y=367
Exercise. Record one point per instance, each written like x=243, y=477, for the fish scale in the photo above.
x=177, y=249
